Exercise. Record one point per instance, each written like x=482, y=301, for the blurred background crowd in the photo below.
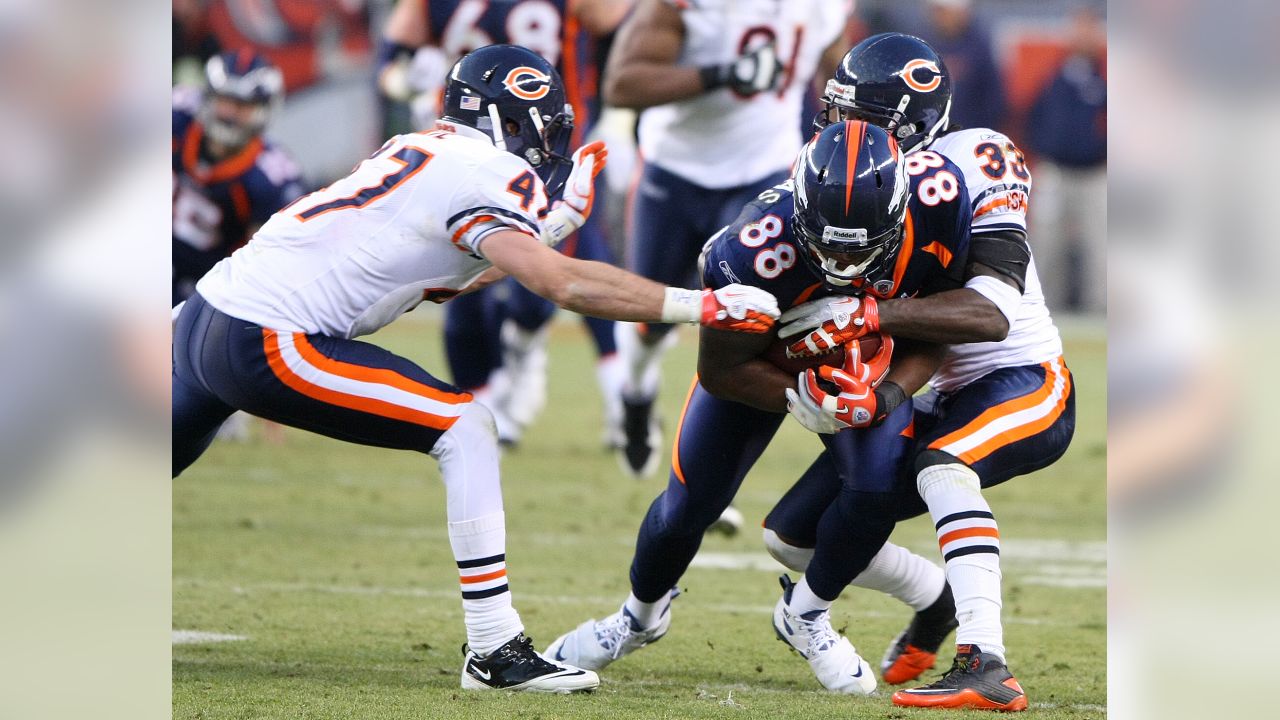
x=1034, y=70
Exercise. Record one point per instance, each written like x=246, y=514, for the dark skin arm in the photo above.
x=914, y=362
x=642, y=70
x=952, y=317
x=730, y=368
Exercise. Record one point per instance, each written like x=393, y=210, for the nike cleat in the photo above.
x=831, y=656
x=915, y=650
x=642, y=438
x=976, y=681
x=729, y=522
x=517, y=666
x=596, y=643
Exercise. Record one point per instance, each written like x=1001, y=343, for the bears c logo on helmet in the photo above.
x=527, y=83
x=910, y=75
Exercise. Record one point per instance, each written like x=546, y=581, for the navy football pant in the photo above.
x=668, y=221
x=717, y=442
x=344, y=389
x=1007, y=423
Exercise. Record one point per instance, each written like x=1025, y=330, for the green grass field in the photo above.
x=332, y=563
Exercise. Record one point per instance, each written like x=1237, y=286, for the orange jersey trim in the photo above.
x=372, y=406
x=232, y=167
x=675, y=446
x=941, y=252
x=1009, y=407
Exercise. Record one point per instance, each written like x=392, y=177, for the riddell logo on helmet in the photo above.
x=527, y=83
x=910, y=74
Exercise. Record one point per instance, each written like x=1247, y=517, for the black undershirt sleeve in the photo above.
x=1004, y=251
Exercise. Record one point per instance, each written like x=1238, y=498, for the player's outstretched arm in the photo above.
x=604, y=291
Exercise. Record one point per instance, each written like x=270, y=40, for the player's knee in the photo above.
x=473, y=428
x=936, y=470
x=791, y=556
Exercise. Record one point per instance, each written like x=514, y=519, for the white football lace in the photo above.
x=819, y=631
x=612, y=633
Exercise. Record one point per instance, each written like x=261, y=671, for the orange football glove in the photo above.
x=828, y=325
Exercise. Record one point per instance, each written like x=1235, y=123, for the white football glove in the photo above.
x=736, y=308
x=809, y=414
x=572, y=211
x=828, y=323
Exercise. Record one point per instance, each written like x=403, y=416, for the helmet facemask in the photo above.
x=541, y=141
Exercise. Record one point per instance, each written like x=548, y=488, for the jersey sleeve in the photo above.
x=758, y=249
x=949, y=218
x=502, y=193
x=279, y=183
x=997, y=177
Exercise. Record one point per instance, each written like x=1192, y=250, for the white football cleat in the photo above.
x=729, y=522
x=524, y=358
x=831, y=656
x=595, y=644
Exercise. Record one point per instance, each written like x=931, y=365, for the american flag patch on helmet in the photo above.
x=470, y=102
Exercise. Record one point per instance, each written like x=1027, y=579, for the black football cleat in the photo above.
x=643, y=438
x=517, y=666
x=915, y=650
x=976, y=681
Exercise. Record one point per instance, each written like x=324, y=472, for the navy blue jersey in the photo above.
x=760, y=249
x=543, y=26
x=217, y=204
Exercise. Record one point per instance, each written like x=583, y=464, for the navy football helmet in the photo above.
x=851, y=191
x=895, y=81
x=256, y=89
x=516, y=96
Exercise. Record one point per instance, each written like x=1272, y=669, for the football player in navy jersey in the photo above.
x=1001, y=403
x=495, y=339
x=862, y=218
x=227, y=179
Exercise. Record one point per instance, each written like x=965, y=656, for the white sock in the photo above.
x=641, y=363
x=894, y=570
x=803, y=600
x=970, y=545
x=898, y=572
x=468, y=457
x=647, y=614
x=609, y=376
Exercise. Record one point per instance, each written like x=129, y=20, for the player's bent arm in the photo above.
x=983, y=310
x=600, y=17
x=913, y=363
x=952, y=317
x=730, y=368
x=642, y=70
x=407, y=23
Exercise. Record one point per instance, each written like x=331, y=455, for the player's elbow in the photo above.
x=992, y=326
x=619, y=92
x=717, y=381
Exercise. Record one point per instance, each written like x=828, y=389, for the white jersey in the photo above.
x=999, y=185
x=406, y=225
x=719, y=139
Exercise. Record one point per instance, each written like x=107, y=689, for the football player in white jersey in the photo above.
x=430, y=215
x=1002, y=399
x=721, y=84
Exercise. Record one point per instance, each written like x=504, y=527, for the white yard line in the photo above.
x=196, y=637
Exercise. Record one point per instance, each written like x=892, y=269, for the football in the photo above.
x=776, y=354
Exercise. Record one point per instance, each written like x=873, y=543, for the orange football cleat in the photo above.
x=915, y=650
x=976, y=681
